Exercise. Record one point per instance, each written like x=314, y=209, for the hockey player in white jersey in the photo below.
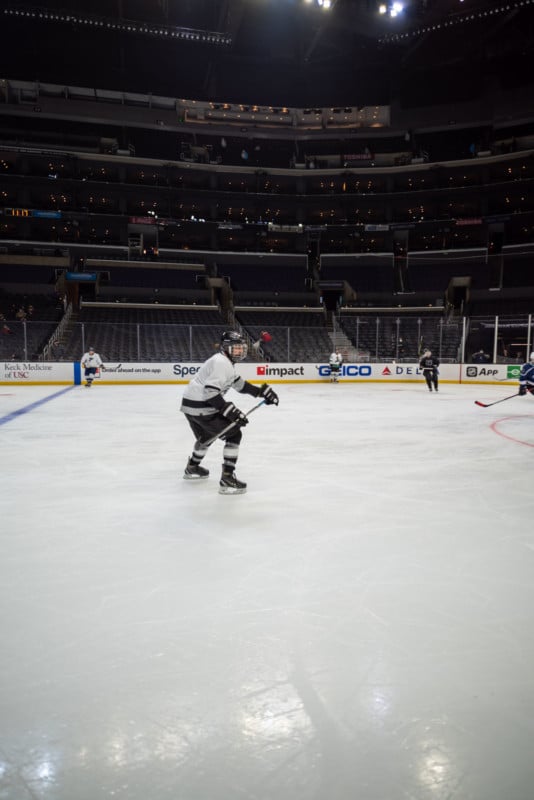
x=335, y=361
x=208, y=413
x=91, y=362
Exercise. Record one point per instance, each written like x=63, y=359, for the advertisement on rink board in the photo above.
x=65, y=373
x=37, y=372
x=490, y=373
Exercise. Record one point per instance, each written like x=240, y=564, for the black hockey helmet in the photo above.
x=234, y=345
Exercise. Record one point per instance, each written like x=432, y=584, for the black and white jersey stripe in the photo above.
x=213, y=379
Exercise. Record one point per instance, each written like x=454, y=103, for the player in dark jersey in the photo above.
x=429, y=367
x=526, y=377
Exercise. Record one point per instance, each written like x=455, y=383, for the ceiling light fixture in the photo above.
x=453, y=21
x=126, y=26
x=393, y=8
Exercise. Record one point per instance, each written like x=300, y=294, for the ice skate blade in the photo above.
x=231, y=490
x=195, y=477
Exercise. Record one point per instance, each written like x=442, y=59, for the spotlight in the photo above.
x=393, y=8
x=325, y=4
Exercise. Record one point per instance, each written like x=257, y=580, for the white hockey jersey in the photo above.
x=214, y=377
x=91, y=360
x=336, y=359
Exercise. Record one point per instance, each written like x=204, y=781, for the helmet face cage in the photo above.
x=234, y=345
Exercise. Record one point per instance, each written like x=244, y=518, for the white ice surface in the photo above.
x=358, y=626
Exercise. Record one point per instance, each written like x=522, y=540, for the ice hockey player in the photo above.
x=208, y=413
x=429, y=367
x=526, y=377
x=336, y=361
x=91, y=362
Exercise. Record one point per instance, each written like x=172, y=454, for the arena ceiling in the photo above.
x=274, y=52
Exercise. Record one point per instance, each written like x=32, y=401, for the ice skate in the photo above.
x=229, y=484
x=195, y=472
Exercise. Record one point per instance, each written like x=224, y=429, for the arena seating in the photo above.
x=380, y=342
x=26, y=339
x=145, y=334
x=296, y=335
x=369, y=274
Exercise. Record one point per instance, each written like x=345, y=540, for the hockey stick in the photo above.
x=487, y=405
x=231, y=425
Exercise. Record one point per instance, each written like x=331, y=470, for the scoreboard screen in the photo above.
x=32, y=212
x=17, y=212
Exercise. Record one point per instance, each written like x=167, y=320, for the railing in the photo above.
x=387, y=337
x=372, y=339
x=366, y=338
x=505, y=338
x=54, y=341
x=24, y=340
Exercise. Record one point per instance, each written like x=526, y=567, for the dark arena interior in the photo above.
x=352, y=176
x=282, y=164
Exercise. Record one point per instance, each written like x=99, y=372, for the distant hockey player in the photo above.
x=263, y=344
x=526, y=377
x=336, y=362
x=208, y=413
x=480, y=357
x=429, y=367
x=91, y=362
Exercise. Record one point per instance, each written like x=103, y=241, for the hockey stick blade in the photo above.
x=487, y=405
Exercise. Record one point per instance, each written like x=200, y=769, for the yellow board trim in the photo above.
x=326, y=381
x=36, y=383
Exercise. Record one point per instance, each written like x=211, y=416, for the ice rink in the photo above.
x=358, y=626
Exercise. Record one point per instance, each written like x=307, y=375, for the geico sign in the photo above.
x=183, y=372
x=347, y=370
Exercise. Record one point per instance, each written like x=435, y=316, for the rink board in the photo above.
x=68, y=374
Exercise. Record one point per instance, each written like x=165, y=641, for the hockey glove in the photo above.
x=268, y=394
x=522, y=390
x=234, y=414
